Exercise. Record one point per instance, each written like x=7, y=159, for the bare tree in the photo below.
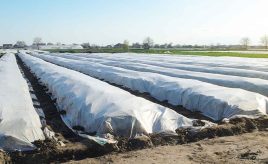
x=85, y=45
x=136, y=45
x=126, y=45
x=264, y=41
x=245, y=42
x=148, y=43
x=37, y=41
x=170, y=45
x=20, y=44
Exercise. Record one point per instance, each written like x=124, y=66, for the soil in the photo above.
x=184, y=146
x=247, y=148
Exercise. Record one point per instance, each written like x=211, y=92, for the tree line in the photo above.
x=245, y=42
x=147, y=44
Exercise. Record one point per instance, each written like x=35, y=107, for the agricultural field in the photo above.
x=66, y=107
x=216, y=53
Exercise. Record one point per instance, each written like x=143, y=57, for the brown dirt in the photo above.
x=49, y=151
x=4, y=157
x=234, y=127
x=247, y=148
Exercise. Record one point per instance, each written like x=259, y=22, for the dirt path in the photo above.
x=246, y=148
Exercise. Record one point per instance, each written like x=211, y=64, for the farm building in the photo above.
x=7, y=46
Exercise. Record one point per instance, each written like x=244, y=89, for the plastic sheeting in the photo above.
x=227, y=62
x=220, y=62
x=19, y=122
x=213, y=101
x=101, y=108
x=251, y=84
x=126, y=60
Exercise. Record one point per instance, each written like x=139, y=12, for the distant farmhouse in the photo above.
x=7, y=46
x=119, y=45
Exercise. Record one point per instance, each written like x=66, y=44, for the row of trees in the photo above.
x=147, y=44
x=245, y=42
x=21, y=44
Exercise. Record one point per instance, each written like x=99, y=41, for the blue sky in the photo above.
x=111, y=21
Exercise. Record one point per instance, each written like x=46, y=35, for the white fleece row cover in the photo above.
x=172, y=60
x=129, y=59
x=227, y=62
x=214, y=76
x=19, y=123
x=213, y=101
x=100, y=107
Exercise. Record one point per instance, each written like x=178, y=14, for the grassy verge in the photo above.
x=162, y=51
x=231, y=54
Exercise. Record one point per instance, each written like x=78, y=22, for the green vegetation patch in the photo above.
x=231, y=54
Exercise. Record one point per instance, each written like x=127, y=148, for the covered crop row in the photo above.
x=99, y=108
x=19, y=123
x=213, y=101
x=118, y=60
x=221, y=62
x=251, y=84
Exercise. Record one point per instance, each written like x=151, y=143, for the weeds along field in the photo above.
x=57, y=107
